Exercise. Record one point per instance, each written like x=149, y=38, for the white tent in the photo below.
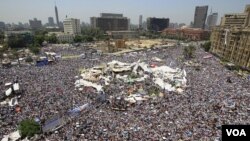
x=16, y=87
x=12, y=136
x=8, y=92
x=8, y=84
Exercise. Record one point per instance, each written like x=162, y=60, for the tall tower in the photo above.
x=200, y=16
x=212, y=20
x=57, y=19
x=140, y=22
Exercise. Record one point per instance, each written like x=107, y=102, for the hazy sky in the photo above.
x=177, y=10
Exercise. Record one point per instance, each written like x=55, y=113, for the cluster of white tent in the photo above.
x=14, y=88
x=12, y=136
x=165, y=77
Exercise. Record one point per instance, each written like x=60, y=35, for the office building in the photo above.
x=173, y=25
x=123, y=34
x=111, y=15
x=62, y=37
x=200, y=16
x=230, y=40
x=157, y=24
x=50, y=21
x=57, y=18
x=72, y=26
x=193, y=34
x=234, y=20
x=144, y=24
x=181, y=25
x=35, y=24
x=110, y=22
x=212, y=20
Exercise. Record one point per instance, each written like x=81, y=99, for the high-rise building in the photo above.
x=157, y=24
x=144, y=24
x=181, y=25
x=140, y=22
x=35, y=24
x=110, y=22
x=57, y=18
x=212, y=20
x=51, y=21
x=72, y=26
x=173, y=25
x=230, y=40
x=200, y=16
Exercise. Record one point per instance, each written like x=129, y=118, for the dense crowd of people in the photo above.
x=196, y=114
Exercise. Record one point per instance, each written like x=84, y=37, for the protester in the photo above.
x=197, y=114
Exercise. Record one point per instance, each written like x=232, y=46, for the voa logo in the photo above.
x=236, y=132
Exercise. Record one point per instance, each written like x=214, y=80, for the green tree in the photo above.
x=1, y=54
x=39, y=36
x=28, y=128
x=153, y=90
x=92, y=33
x=38, y=39
x=51, y=39
x=188, y=51
x=1, y=37
x=3, y=50
x=28, y=38
x=16, y=55
x=34, y=48
x=207, y=46
x=41, y=32
x=78, y=39
x=15, y=41
x=19, y=40
x=29, y=59
x=89, y=39
x=64, y=42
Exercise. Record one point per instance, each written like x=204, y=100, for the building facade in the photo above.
x=51, y=21
x=212, y=20
x=62, y=37
x=123, y=34
x=35, y=24
x=200, y=16
x=110, y=22
x=231, y=39
x=157, y=24
x=173, y=25
x=181, y=25
x=69, y=38
x=194, y=34
x=72, y=26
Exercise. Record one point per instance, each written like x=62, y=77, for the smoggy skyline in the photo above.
x=180, y=11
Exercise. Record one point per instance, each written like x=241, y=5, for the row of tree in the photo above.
x=26, y=40
x=35, y=41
